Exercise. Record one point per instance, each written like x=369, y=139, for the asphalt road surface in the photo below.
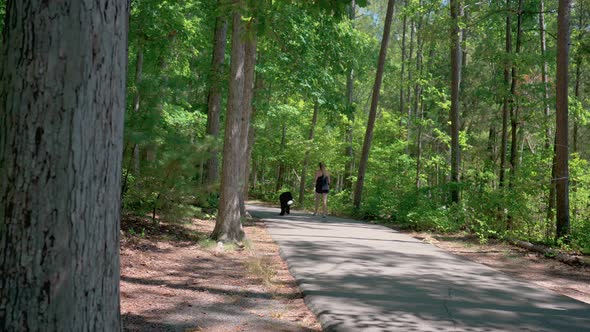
x=357, y=276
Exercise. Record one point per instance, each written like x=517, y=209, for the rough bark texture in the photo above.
x=214, y=98
x=373, y=111
x=228, y=227
x=314, y=120
x=62, y=103
x=249, y=75
x=454, y=112
x=561, y=132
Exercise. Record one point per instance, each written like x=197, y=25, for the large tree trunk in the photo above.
x=214, y=98
x=373, y=111
x=314, y=120
x=561, y=142
x=249, y=76
x=454, y=112
x=62, y=104
x=228, y=227
x=506, y=102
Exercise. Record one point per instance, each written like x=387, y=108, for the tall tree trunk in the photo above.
x=228, y=227
x=506, y=102
x=249, y=76
x=373, y=111
x=136, y=104
x=409, y=81
x=62, y=106
x=544, y=75
x=281, y=172
x=454, y=112
x=314, y=120
x=418, y=100
x=214, y=97
x=575, y=134
x=402, y=98
x=349, y=151
x=515, y=104
x=561, y=144
x=551, y=198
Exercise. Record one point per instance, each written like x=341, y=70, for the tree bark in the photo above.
x=561, y=142
x=454, y=112
x=402, y=98
x=514, y=104
x=349, y=151
x=373, y=111
x=506, y=102
x=249, y=76
x=228, y=227
x=314, y=120
x=62, y=105
x=281, y=172
x=214, y=97
x=544, y=75
x=136, y=103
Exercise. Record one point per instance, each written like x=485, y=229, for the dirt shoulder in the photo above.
x=172, y=280
x=572, y=281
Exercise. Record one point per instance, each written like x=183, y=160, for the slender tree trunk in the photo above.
x=228, y=227
x=561, y=144
x=373, y=111
x=281, y=172
x=402, y=98
x=249, y=76
x=258, y=82
x=136, y=104
x=575, y=134
x=515, y=105
x=214, y=97
x=419, y=146
x=349, y=151
x=544, y=75
x=506, y=103
x=454, y=113
x=409, y=82
x=314, y=120
x=62, y=106
x=551, y=198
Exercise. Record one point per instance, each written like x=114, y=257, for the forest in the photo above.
x=434, y=115
x=312, y=95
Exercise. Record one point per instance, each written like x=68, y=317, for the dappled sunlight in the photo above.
x=370, y=277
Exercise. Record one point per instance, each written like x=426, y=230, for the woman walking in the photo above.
x=322, y=187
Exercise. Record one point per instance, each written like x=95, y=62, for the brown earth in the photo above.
x=545, y=272
x=172, y=279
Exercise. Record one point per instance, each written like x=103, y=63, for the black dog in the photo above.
x=286, y=200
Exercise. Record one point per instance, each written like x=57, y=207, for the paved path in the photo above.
x=361, y=277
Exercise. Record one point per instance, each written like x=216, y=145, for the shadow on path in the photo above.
x=363, y=277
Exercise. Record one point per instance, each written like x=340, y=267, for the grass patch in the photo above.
x=261, y=268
